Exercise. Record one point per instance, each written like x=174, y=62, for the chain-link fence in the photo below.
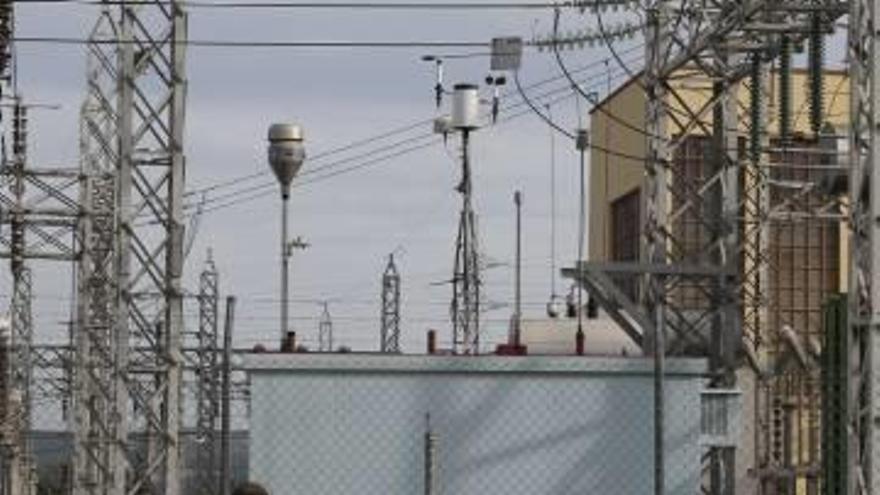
x=377, y=424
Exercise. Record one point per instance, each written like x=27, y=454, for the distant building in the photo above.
x=484, y=425
x=557, y=336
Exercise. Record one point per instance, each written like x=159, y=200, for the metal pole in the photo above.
x=659, y=402
x=469, y=330
x=174, y=261
x=581, y=143
x=119, y=424
x=430, y=457
x=226, y=458
x=517, y=199
x=285, y=262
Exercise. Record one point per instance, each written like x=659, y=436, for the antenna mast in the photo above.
x=390, y=330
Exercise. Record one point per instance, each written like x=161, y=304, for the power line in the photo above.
x=259, y=192
x=399, y=130
x=201, y=4
x=421, y=137
x=332, y=44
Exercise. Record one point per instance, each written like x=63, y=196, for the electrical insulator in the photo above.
x=777, y=446
x=756, y=106
x=19, y=131
x=817, y=75
x=571, y=309
x=554, y=307
x=785, y=88
x=592, y=309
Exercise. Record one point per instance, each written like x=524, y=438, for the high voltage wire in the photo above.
x=393, y=132
x=201, y=4
x=421, y=137
x=259, y=189
x=262, y=190
x=405, y=44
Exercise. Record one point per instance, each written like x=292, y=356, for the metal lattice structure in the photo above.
x=39, y=219
x=706, y=205
x=325, y=330
x=150, y=235
x=208, y=379
x=864, y=299
x=20, y=404
x=138, y=83
x=389, y=335
x=99, y=395
x=465, y=308
x=41, y=216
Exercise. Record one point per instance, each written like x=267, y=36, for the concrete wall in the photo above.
x=355, y=424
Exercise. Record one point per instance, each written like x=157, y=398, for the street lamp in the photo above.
x=286, y=156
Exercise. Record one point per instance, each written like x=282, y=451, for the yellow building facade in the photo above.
x=806, y=258
x=616, y=129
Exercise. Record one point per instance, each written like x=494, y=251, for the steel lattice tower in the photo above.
x=389, y=337
x=208, y=379
x=864, y=277
x=22, y=335
x=703, y=260
x=99, y=394
x=143, y=140
x=150, y=236
x=465, y=308
x=42, y=216
x=21, y=452
x=325, y=331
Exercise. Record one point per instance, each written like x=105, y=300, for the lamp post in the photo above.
x=286, y=155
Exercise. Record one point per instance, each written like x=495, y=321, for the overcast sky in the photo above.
x=354, y=220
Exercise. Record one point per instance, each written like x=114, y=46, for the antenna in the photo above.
x=390, y=329
x=438, y=71
x=465, y=307
x=325, y=330
x=495, y=82
x=553, y=305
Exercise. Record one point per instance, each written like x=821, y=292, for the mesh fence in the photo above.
x=327, y=423
x=371, y=424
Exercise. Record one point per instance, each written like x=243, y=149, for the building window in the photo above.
x=626, y=235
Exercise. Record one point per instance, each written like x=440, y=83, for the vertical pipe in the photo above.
x=581, y=144
x=225, y=454
x=118, y=426
x=285, y=261
x=517, y=199
x=174, y=261
x=430, y=457
x=659, y=401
